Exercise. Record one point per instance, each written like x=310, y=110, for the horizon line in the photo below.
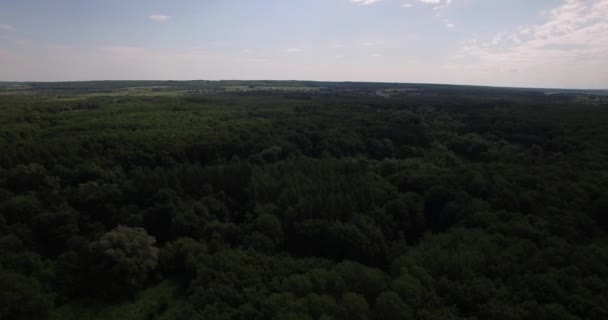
x=318, y=81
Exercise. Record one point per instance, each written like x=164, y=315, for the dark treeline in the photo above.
x=110, y=86
x=457, y=203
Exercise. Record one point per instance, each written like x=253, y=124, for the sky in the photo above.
x=523, y=43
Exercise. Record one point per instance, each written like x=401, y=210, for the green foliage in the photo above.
x=390, y=306
x=301, y=200
x=22, y=297
x=156, y=302
x=353, y=306
x=125, y=257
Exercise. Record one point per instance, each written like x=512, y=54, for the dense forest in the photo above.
x=302, y=200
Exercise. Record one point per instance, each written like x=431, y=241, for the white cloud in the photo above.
x=293, y=50
x=443, y=5
x=437, y=4
x=4, y=26
x=364, y=2
x=159, y=17
x=571, y=44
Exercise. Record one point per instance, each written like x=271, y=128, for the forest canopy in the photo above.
x=302, y=200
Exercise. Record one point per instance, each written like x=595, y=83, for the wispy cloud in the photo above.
x=577, y=29
x=444, y=4
x=159, y=17
x=437, y=4
x=4, y=26
x=364, y=2
x=293, y=50
x=573, y=40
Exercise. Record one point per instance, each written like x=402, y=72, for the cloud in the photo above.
x=4, y=26
x=293, y=50
x=437, y=4
x=571, y=43
x=159, y=17
x=364, y=2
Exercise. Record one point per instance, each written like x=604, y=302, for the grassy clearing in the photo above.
x=16, y=92
x=127, y=92
x=140, y=91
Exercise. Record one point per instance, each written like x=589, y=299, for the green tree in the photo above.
x=29, y=177
x=22, y=297
x=600, y=211
x=123, y=259
x=407, y=212
x=53, y=229
x=389, y=306
x=353, y=307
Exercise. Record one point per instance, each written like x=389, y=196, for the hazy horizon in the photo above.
x=541, y=44
x=312, y=80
